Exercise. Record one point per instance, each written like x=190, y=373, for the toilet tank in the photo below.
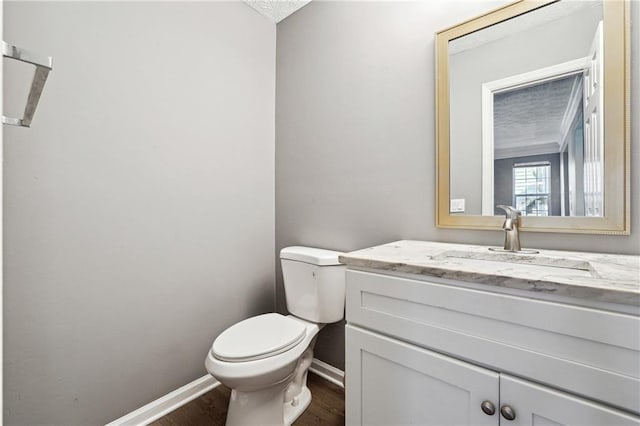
x=314, y=283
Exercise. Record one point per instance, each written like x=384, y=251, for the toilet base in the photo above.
x=261, y=407
x=293, y=409
x=265, y=407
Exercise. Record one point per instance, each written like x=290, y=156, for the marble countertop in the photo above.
x=593, y=276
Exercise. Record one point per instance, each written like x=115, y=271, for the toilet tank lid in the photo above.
x=314, y=256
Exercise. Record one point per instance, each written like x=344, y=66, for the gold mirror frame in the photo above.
x=616, y=220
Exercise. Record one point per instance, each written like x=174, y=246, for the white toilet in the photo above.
x=264, y=359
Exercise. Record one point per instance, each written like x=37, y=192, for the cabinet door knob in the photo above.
x=488, y=408
x=508, y=412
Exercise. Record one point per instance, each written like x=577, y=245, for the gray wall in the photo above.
x=355, y=137
x=549, y=44
x=135, y=203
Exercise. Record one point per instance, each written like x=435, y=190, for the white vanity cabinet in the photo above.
x=393, y=383
x=539, y=405
x=428, y=351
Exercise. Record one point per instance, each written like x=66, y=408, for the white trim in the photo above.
x=487, y=150
x=538, y=76
x=563, y=211
x=497, y=86
x=168, y=403
x=327, y=372
x=1, y=234
x=187, y=393
x=526, y=150
x=570, y=113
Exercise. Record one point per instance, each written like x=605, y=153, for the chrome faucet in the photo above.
x=510, y=226
x=511, y=235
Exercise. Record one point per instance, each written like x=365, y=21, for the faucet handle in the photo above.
x=511, y=212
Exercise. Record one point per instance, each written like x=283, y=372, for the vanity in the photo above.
x=456, y=334
x=450, y=334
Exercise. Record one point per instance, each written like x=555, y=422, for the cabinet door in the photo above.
x=538, y=405
x=389, y=382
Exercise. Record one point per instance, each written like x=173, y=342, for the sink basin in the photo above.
x=555, y=266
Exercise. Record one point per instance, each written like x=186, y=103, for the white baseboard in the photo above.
x=327, y=372
x=179, y=397
x=166, y=404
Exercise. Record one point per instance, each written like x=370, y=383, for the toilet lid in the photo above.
x=258, y=337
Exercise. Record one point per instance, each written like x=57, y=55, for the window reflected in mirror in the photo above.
x=532, y=188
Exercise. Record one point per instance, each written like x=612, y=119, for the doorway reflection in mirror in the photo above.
x=540, y=165
x=530, y=92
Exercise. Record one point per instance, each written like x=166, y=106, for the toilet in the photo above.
x=264, y=359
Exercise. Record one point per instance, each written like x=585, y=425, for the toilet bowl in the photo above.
x=259, y=385
x=265, y=359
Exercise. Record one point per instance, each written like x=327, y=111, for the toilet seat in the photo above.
x=259, y=337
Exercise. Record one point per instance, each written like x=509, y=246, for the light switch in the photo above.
x=457, y=205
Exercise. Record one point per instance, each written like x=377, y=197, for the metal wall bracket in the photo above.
x=43, y=65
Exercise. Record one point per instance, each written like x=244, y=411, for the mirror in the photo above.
x=532, y=112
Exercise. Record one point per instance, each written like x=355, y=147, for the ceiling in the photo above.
x=524, y=22
x=531, y=120
x=276, y=10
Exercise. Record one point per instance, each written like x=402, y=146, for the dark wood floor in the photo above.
x=326, y=409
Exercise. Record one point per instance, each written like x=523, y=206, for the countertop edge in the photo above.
x=601, y=294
